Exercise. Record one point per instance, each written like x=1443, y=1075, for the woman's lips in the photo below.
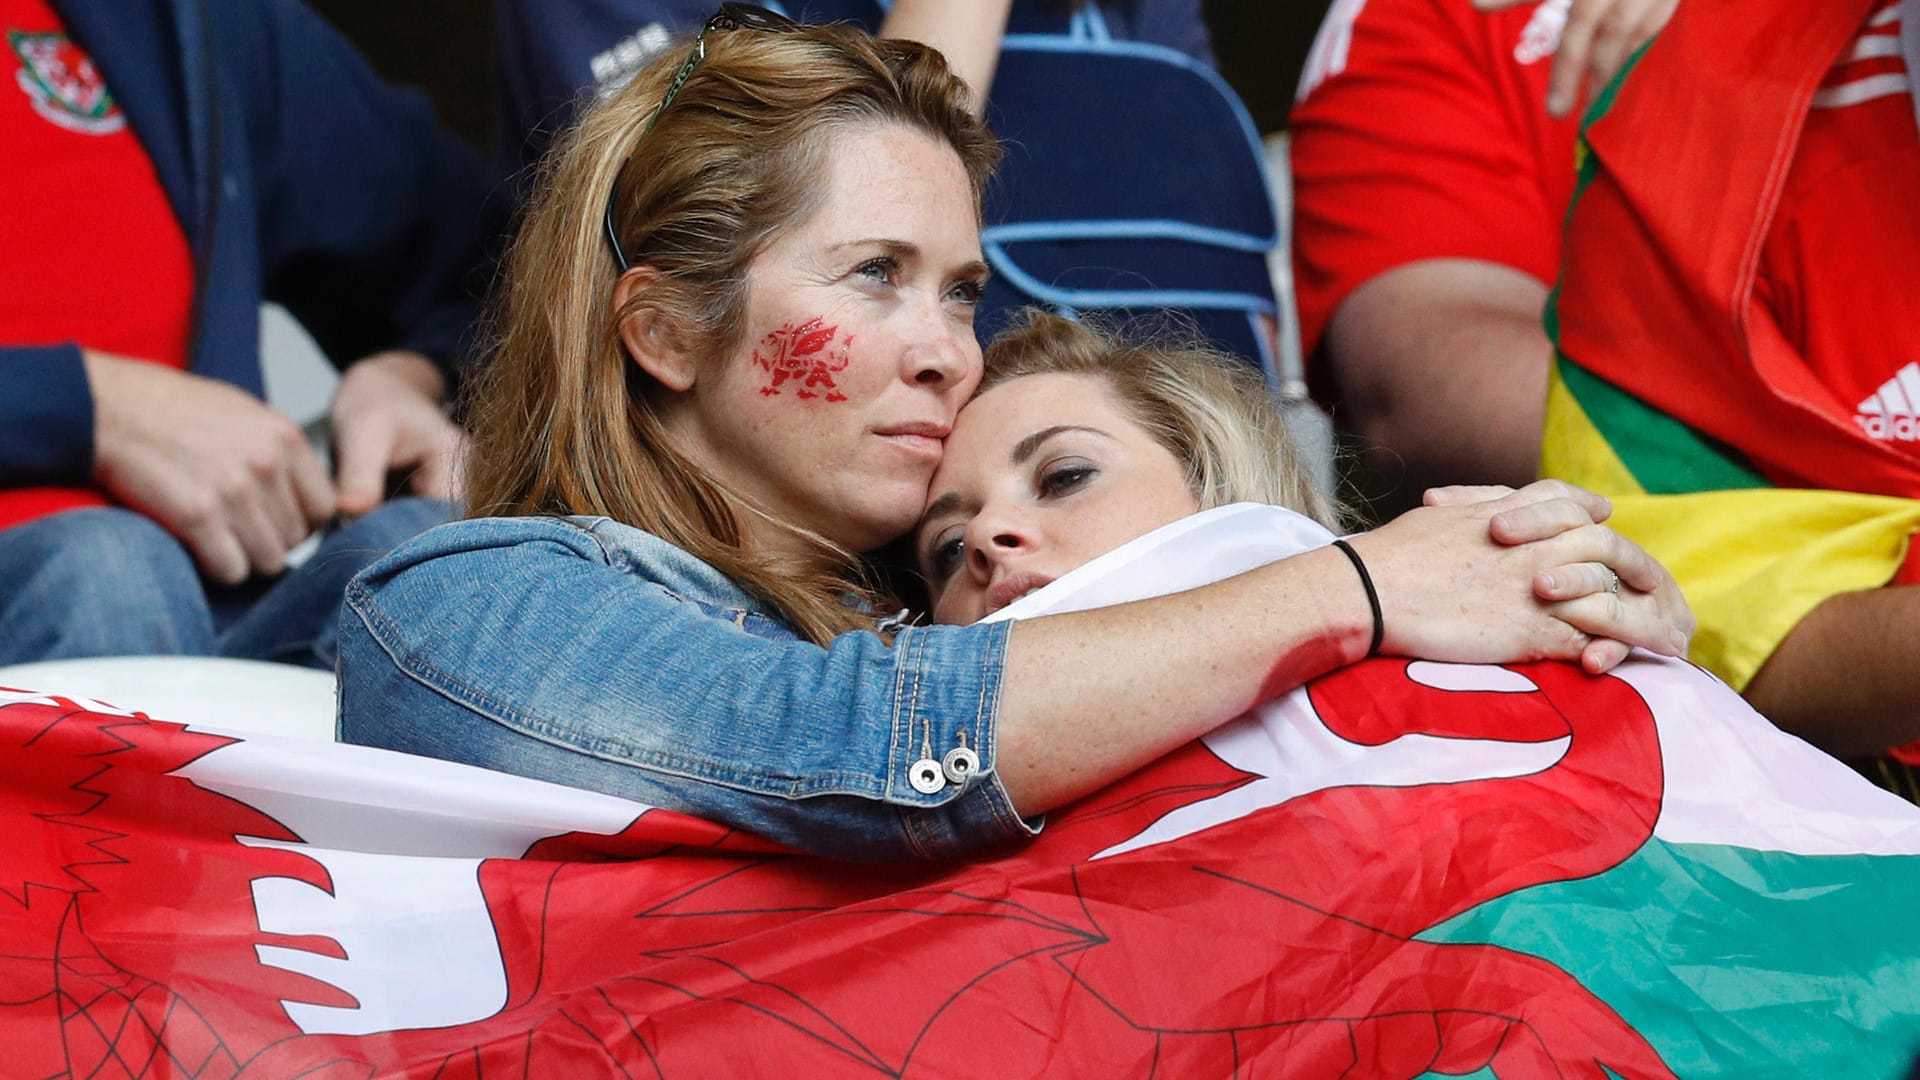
x=920, y=445
x=1013, y=587
x=920, y=438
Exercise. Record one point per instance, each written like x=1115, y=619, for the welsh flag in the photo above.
x=1404, y=869
x=1674, y=389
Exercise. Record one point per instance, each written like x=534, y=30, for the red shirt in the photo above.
x=1841, y=262
x=1842, y=258
x=94, y=254
x=1422, y=133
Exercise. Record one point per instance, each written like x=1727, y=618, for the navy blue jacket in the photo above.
x=296, y=175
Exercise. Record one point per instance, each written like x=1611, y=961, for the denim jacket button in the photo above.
x=960, y=764
x=926, y=776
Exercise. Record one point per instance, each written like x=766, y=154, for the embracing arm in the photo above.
x=547, y=650
x=1847, y=679
x=1092, y=696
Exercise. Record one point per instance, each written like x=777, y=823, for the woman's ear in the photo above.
x=647, y=341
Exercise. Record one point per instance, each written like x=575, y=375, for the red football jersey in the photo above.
x=1842, y=256
x=1421, y=133
x=95, y=255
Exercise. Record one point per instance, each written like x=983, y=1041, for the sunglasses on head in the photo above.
x=729, y=17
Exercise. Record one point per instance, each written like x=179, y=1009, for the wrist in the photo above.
x=1341, y=619
x=1378, y=631
x=103, y=372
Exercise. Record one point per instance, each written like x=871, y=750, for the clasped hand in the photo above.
x=1494, y=575
x=235, y=480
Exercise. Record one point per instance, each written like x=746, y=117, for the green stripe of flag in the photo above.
x=1666, y=456
x=1736, y=963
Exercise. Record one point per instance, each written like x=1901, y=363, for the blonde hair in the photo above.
x=563, y=421
x=1213, y=412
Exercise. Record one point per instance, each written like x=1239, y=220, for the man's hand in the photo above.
x=1598, y=38
x=387, y=416
x=234, y=480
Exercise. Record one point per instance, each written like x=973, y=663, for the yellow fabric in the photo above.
x=1752, y=562
x=1574, y=451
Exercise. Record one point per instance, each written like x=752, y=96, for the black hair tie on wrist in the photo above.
x=1373, y=598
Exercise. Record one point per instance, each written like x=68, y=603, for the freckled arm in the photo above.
x=1091, y=696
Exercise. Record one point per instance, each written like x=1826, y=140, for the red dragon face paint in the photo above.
x=803, y=357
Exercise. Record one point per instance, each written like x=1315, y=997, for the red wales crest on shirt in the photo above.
x=63, y=84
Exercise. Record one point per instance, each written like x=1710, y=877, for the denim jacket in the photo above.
x=592, y=654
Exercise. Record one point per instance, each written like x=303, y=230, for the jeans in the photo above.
x=110, y=582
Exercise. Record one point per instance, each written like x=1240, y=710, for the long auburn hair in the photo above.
x=1214, y=413
x=563, y=421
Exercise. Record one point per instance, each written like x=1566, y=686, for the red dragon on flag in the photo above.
x=1194, y=920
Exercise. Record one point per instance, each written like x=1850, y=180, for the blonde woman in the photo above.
x=1080, y=440
x=735, y=335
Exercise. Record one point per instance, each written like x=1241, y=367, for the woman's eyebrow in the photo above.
x=1022, y=450
x=1028, y=446
x=941, y=507
x=903, y=249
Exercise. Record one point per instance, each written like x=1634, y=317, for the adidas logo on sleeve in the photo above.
x=1889, y=414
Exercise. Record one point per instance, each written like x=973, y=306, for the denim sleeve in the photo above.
x=541, y=659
